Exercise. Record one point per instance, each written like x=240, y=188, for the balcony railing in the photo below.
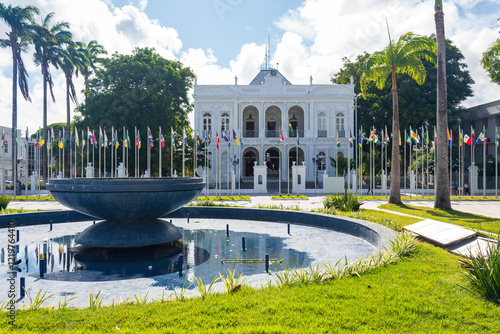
x=322, y=133
x=301, y=133
x=250, y=133
x=272, y=133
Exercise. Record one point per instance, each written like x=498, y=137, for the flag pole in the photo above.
x=83, y=141
x=484, y=161
x=171, y=151
x=183, y=150
x=159, y=156
x=104, y=155
x=123, y=148
x=427, y=155
x=497, y=142
x=405, y=162
x=149, y=151
x=423, y=162
x=70, y=153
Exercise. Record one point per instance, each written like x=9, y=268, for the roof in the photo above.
x=259, y=78
x=481, y=111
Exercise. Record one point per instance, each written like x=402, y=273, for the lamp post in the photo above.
x=235, y=162
x=356, y=134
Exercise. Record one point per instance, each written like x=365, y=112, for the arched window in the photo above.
x=224, y=122
x=322, y=124
x=207, y=123
x=340, y=124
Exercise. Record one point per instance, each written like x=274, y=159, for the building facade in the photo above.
x=278, y=124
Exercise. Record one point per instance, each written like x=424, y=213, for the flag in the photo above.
x=407, y=138
x=184, y=137
x=460, y=137
x=26, y=139
x=51, y=141
x=138, y=140
x=473, y=136
x=83, y=139
x=383, y=138
x=150, y=138
x=399, y=137
x=360, y=139
x=42, y=141
x=162, y=139
x=37, y=142
x=94, y=139
x=105, y=139
x=435, y=137
x=77, y=141
x=427, y=136
x=337, y=140
x=217, y=135
x=298, y=139
x=198, y=141
x=281, y=136
x=351, y=139
x=450, y=138
x=209, y=139
x=125, y=139
x=376, y=139
x=291, y=129
x=223, y=135
x=481, y=137
x=90, y=136
x=60, y=143
x=71, y=142
x=372, y=133
x=172, y=135
x=3, y=138
x=128, y=139
x=467, y=139
x=101, y=141
x=413, y=136
x=117, y=141
x=235, y=137
x=241, y=141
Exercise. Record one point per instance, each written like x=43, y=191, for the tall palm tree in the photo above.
x=92, y=51
x=48, y=41
x=71, y=60
x=442, y=198
x=404, y=56
x=21, y=22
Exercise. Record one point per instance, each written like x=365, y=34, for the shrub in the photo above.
x=343, y=203
x=482, y=272
x=4, y=201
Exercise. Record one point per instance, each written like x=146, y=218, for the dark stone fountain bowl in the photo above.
x=130, y=208
x=125, y=199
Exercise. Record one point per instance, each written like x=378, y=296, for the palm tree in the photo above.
x=91, y=52
x=48, y=41
x=405, y=57
x=20, y=20
x=442, y=197
x=71, y=60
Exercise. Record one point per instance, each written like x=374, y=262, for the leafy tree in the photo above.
x=91, y=52
x=491, y=61
x=140, y=90
x=48, y=41
x=442, y=195
x=21, y=22
x=404, y=56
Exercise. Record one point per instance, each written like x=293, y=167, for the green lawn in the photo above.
x=449, y=216
x=223, y=198
x=418, y=294
x=30, y=198
x=289, y=196
x=422, y=293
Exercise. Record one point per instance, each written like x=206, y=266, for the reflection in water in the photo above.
x=206, y=248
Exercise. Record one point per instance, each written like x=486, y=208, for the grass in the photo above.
x=20, y=210
x=431, y=198
x=277, y=207
x=476, y=222
x=418, y=294
x=223, y=198
x=209, y=202
x=289, y=196
x=30, y=198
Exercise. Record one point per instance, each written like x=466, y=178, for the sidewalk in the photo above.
x=484, y=208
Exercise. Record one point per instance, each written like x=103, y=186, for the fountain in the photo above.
x=130, y=208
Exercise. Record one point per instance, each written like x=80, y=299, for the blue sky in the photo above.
x=221, y=39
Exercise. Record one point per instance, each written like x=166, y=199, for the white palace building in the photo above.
x=259, y=113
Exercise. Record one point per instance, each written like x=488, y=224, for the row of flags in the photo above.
x=411, y=138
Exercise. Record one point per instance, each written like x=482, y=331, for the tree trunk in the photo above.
x=68, y=120
x=395, y=193
x=45, y=134
x=13, y=146
x=442, y=186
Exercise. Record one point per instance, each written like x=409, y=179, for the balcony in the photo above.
x=272, y=133
x=341, y=133
x=250, y=133
x=322, y=133
x=301, y=133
